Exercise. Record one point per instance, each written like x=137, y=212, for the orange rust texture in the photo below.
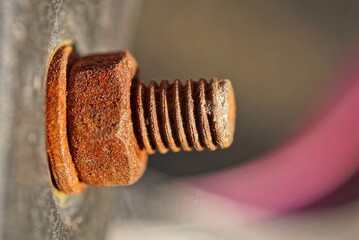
x=62, y=166
x=102, y=141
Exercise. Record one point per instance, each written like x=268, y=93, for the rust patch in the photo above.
x=102, y=141
x=62, y=167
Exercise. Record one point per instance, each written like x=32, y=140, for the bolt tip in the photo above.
x=224, y=111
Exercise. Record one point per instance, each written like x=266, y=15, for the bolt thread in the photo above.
x=174, y=116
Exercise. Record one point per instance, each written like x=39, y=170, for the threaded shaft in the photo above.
x=173, y=116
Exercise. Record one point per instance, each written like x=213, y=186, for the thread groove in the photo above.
x=192, y=124
x=154, y=132
x=178, y=113
x=166, y=113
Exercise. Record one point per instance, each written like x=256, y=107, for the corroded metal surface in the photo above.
x=62, y=167
x=102, y=139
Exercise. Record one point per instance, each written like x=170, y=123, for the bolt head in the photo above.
x=102, y=141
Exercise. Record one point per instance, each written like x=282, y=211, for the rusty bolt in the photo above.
x=102, y=120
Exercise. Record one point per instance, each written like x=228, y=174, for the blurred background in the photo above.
x=292, y=171
x=282, y=58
